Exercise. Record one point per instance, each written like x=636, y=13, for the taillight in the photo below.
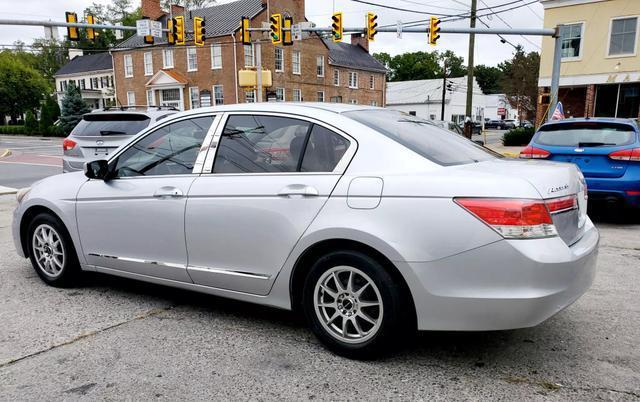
x=626, y=155
x=512, y=218
x=68, y=144
x=534, y=153
x=562, y=204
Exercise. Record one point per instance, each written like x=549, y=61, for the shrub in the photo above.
x=49, y=114
x=30, y=123
x=518, y=136
x=12, y=130
x=55, y=131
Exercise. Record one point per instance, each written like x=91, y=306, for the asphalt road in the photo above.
x=120, y=339
x=31, y=159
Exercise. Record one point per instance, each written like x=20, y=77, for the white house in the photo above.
x=497, y=107
x=93, y=74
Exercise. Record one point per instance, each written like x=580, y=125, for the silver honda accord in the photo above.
x=369, y=221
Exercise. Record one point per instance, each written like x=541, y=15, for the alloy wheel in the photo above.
x=48, y=250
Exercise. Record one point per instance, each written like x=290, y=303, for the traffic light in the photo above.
x=245, y=34
x=91, y=33
x=178, y=29
x=276, y=29
x=72, y=32
x=336, y=27
x=287, y=35
x=371, y=26
x=198, y=31
x=434, y=30
x=171, y=36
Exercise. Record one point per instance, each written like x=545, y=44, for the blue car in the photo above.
x=607, y=151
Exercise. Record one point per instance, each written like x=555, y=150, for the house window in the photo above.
x=216, y=56
x=320, y=66
x=128, y=66
x=249, y=60
x=148, y=63
x=131, y=98
x=373, y=103
x=194, y=96
x=171, y=97
x=250, y=96
x=372, y=82
x=336, y=78
x=623, y=36
x=320, y=96
x=83, y=84
x=279, y=94
x=167, y=58
x=218, y=95
x=336, y=99
x=279, y=59
x=353, y=80
x=571, y=40
x=295, y=62
x=151, y=100
x=297, y=95
x=192, y=59
x=94, y=83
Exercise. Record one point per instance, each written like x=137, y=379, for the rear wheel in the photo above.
x=51, y=251
x=354, y=306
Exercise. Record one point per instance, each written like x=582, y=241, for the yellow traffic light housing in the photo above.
x=91, y=33
x=171, y=36
x=336, y=27
x=178, y=29
x=199, y=31
x=245, y=34
x=372, y=26
x=434, y=30
x=72, y=32
x=276, y=29
x=287, y=35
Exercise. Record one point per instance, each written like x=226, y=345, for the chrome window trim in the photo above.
x=197, y=170
x=340, y=168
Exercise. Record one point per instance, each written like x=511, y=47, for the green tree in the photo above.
x=73, y=107
x=520, y=82
x=49, y=114
x=21, y=86
x=421, y=65
x=50, y=56
x=30, y=123
x=489, y=78
x=455, y=64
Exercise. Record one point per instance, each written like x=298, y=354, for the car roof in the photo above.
x=151, y=113
x=289, y=107
x=630, y=122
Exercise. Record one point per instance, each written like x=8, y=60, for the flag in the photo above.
x=558, y=114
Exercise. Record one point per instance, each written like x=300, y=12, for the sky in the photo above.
x=489, y=49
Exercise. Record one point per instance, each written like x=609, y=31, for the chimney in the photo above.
x=177, y=10
x=151, y=9
x=360, y=40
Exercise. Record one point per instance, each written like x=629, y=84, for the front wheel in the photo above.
x=354, y=306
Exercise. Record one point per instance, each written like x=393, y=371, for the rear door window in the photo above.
x=586, y=134
x=104, y=124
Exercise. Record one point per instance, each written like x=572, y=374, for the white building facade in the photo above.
x=93, y=74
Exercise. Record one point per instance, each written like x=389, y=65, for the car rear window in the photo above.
x=436, y=144
x=586, y=134
x=110, y=124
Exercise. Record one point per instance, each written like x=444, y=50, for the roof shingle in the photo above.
x=348, y=55
x=90, y=62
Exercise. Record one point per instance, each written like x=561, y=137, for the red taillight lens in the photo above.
x=562, y=204
x=534, y=153
x=68, y=144
x=626, y=155
x=512, y=218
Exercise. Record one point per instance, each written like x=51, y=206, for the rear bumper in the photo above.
x=504, y=285
x=74, y=165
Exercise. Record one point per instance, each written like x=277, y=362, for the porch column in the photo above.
x=590, y=101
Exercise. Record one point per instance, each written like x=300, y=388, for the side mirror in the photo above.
x=96, y=169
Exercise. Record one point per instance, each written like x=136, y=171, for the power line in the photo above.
x=510, y=26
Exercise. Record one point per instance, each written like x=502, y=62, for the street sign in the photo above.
x=502, y=111
x=156, y=29
x=296, y=32
x=399, y=29
x=119, y=34
x=143, y=27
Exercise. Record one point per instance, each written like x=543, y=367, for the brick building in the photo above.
x=313, y=69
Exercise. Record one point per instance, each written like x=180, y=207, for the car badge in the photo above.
x=99, y=142
x=579, y=149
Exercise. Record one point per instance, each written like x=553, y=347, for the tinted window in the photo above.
x=587, y=134
x=323, y=151
x=169, y=150
x=110, y=124
x=259, y=144
x=436, y=144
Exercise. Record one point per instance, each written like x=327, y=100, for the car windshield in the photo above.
x=436, y=144
x=586, y=134
x=101, y=124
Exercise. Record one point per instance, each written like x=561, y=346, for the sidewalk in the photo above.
x=509, y=152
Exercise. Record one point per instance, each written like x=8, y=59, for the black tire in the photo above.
x=395, y=325
x=70, y=272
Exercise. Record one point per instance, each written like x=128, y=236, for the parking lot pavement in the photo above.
x=119, y=339
x=30, y=159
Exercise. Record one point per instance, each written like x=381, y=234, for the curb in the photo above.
x=511, y=154
x=7, y=190
x=5, y=153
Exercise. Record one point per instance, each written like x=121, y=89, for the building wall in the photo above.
x=95, y=98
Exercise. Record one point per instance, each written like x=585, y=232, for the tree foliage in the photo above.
x=421, y=65
x=73, y=107
x=21, y=85
x=49, y=114
x=489, y=78
x=520, y=81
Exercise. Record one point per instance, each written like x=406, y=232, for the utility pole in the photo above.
x=444, y=88
x=258, y=58
x=472, y=43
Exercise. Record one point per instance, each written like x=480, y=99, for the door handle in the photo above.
x=168, y=192
x=298, y=189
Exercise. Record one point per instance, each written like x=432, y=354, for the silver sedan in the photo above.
x=371, y=222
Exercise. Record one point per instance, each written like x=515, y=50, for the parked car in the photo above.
x=447, y=125
x=509, y=124
x=101, y=132
x=476, y=129
x=373, y=223
x=494, y=124
x=525, y=124
x=607, y=151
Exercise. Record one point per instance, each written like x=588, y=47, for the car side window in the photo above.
x=323, y=151
x=260, y=144
x=169, y=150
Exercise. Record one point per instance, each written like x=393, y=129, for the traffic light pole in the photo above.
x=258, y=53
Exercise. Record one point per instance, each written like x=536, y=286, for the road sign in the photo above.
x=156, y=29
x=502, y=111
x=296, y=32
x=143, y=27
